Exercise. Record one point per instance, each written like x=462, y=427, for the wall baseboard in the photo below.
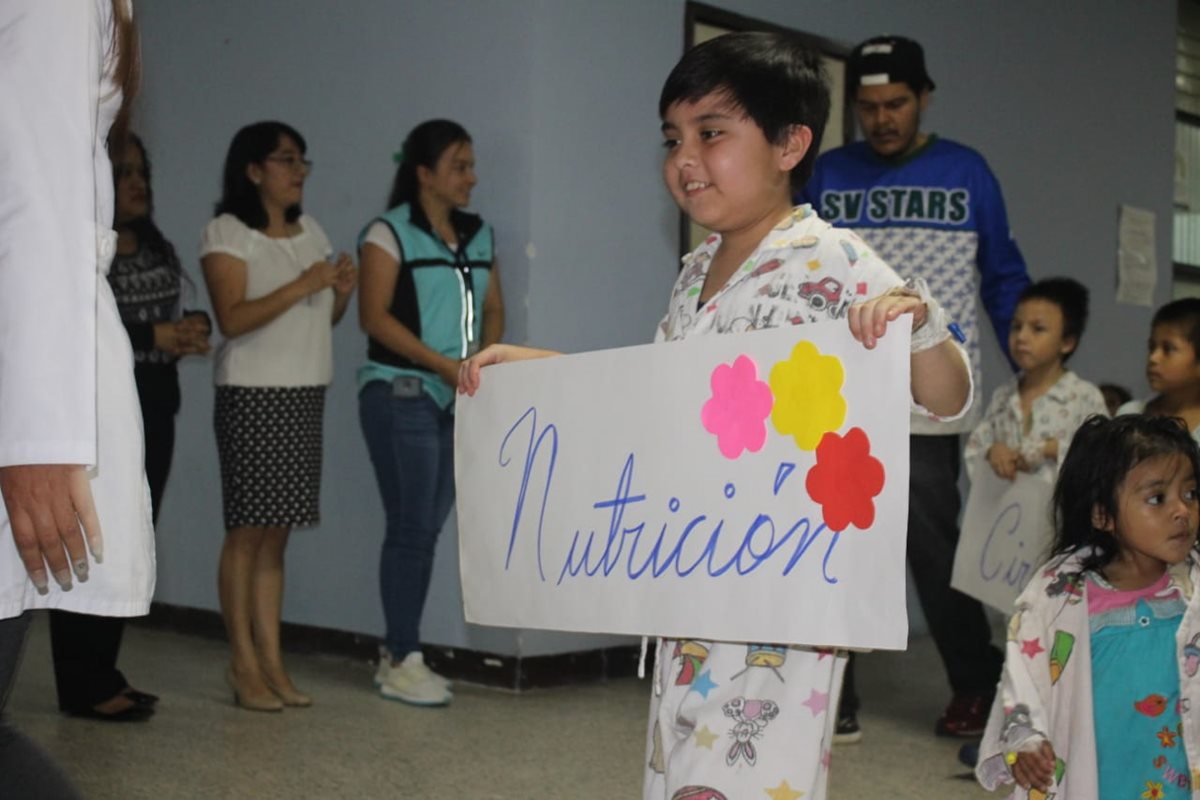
x=513, y=673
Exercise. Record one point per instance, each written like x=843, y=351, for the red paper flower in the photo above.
x=845, y=480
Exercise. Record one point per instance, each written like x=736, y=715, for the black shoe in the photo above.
x=141, y=698
x=847, y=731
x=968, y=754
x=134, y=713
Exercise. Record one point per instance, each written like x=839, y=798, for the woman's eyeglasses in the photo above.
x=292, y=162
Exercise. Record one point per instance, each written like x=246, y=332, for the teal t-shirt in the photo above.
x=1135, y=692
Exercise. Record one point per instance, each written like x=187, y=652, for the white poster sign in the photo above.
x=1006, y=534
x=750, y=487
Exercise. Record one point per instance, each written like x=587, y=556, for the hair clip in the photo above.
x=398, y=156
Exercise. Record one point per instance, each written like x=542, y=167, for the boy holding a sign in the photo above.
x=1022, y=439
x=1103, y=654
x=1031, y=419
x=741, y=115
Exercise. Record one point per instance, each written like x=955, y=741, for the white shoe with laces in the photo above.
x=385, y=665
x=423, y=669
x=411, y=681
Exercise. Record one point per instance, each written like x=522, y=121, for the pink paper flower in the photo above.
x=845, y=480
x=737, y=411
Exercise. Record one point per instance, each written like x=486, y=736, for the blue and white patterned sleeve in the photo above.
x=1002, y=272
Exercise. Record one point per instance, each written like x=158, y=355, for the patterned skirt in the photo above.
x=269, y=446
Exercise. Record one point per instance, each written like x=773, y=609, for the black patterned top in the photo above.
x=146, y=284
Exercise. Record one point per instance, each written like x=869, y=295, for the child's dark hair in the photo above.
x=423, y=146
x=1183, y=314
x=251, y=145
x=1071, y=297
x=1102, y=453
x=773, y=77
x=1119, y=393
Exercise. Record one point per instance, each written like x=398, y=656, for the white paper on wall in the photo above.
x=748, y=487
x=1137, y=267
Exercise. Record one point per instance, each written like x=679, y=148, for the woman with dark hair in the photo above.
x=149, y=283
x=276, y=295
x=145, y=278
x=430, y=297
x=70, y=438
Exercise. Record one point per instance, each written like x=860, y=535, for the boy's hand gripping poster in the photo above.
x=750, y=488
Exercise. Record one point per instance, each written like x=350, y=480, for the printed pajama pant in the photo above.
x=730, y=721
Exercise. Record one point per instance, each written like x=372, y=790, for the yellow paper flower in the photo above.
x=808, y=395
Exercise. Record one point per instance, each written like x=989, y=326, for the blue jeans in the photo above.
x=411, y=442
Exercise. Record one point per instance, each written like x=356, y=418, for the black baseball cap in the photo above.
x=887, y=59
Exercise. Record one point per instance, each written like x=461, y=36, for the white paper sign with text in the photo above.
x=749, y=487
x=1006, y=535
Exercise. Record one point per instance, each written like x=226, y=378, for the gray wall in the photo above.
x=1070, y=102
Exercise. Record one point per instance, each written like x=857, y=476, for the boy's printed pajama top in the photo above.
x=1057, y=414
x=741, y=720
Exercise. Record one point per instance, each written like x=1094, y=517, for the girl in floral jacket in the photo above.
x=1099, y=694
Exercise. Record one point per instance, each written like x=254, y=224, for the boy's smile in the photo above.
x=722, y=171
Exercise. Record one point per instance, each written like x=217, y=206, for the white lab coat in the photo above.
x=67, y=394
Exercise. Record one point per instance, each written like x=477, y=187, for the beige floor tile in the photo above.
x=583, y=742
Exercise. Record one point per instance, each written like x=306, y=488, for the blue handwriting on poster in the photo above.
x=695, y=542
x=996, y=552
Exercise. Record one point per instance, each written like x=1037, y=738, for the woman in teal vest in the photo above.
x=429, y=297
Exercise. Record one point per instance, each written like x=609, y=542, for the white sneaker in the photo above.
x=423, y=669
x=385, y=666
x=411, y=682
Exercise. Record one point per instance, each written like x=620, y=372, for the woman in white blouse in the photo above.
x=276, y=293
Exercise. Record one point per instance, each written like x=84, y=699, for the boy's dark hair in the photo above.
x=251, y=145
x=1183, y=314
x=1102, y=453
x=773, y=77
x=1071, y=297
x=423, y=146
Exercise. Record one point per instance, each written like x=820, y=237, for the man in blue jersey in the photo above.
x=932, y=209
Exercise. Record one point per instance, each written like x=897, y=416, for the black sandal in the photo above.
x=135, y=713
x=141, y=698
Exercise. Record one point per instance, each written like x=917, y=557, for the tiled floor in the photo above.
x=583, y=742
